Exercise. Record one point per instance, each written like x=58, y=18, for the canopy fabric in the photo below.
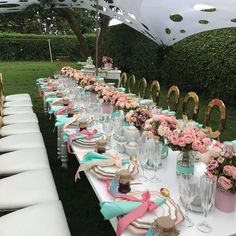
x=164, y=21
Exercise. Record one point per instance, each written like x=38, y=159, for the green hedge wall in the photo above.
x=204, y=63
x=35, y=47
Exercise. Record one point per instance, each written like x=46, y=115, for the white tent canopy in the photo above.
x=164, y=21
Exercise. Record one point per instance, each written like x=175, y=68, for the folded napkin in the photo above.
x=169, y=112
x=144, y=101
x=197, y=124
x=116, y=114
x=61, y=120
x=119, y=208
x=51, y=99
x=81, y=136
x=132, y=209
x=92, y=159
x=54, y=109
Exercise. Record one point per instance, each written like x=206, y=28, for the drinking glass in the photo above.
x=142, y=159
x=156, y=157
x=207, y=195
x=188, y=188
x=107, y=129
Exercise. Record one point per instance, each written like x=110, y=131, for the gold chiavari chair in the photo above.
x=1, y=86
x=191, y=96
x=222, y=109
x=173, y=90
x=155, y=91
x=123, y=80
x=131, y=84
x=142, y=88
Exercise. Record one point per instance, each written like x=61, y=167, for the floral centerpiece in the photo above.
x=107, y=62
x=68, y=71
x=221, y=164
x=126, y=103
x=161, y=125
x=187, y=140
x=138, y=117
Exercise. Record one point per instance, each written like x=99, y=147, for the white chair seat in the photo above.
x=20, y=118
x=23, y=160
x=44, y=219
x=16, y=110
x=21, y=141
x=23, y=103
x=17, y=97
x=26, y=189
x=19, y=129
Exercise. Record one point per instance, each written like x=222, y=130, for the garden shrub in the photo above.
x=35, y=47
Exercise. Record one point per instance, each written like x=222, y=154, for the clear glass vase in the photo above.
x=185, y=163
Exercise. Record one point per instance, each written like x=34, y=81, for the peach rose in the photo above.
x=228, y=170
x=225, y=183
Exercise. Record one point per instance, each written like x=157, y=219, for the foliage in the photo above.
x=35, y=47
x=204, y=63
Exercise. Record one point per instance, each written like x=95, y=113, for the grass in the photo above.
x=79, y=201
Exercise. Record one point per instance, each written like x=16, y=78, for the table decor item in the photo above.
x=221, y=164
x=140, y=210
x=131, y=134
x=100, y=146
x=207, y=194
x=163, y=226
x=138, y=117
x=124, y=181
x=83, y=124
x=131, y=148
x=92, y=159
x=188, y=188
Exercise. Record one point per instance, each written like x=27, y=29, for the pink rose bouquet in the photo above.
x=138, y=117
x=190, y=138
x=221, y=163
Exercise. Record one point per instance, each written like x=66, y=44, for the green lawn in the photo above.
x=20, y=77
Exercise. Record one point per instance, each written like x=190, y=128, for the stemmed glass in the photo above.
x=142, y=159
x=188, y=188
x=108, y=128
x=156, y=157
x=207, y=195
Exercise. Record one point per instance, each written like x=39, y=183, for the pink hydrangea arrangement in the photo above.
x=221, y=164
x=138, y=117
x=187, y=139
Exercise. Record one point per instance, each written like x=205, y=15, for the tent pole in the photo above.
x=97, y=35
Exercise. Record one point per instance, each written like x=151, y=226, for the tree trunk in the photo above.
x=104, y=22
x=69, y=15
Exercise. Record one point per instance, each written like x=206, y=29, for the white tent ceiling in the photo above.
x=163, y=21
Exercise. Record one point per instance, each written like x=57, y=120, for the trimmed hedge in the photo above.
x=35, y=47
x=204, y=63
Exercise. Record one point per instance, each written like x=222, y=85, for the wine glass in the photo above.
x=207, y=195
x=156, y=157
x=188, y=188
x=107, y=129
x=142, y=159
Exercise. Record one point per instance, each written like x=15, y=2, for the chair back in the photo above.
x=142, y=88
x=123, y=80
x=1, y=85
x=191, y=96
x=154, y=91
x=131, y=84
x=221, y=106
x=173, y=90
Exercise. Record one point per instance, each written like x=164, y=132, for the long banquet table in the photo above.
x=223, y=224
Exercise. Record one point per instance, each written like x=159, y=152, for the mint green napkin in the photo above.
x=169, y=112
x=121, y=89
x=116, y=114
x=49, y=100
x=144, y=101
x=118, y=208
x=61, y=121
x=54, y=109
x=197, y=124
x=94, y=156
